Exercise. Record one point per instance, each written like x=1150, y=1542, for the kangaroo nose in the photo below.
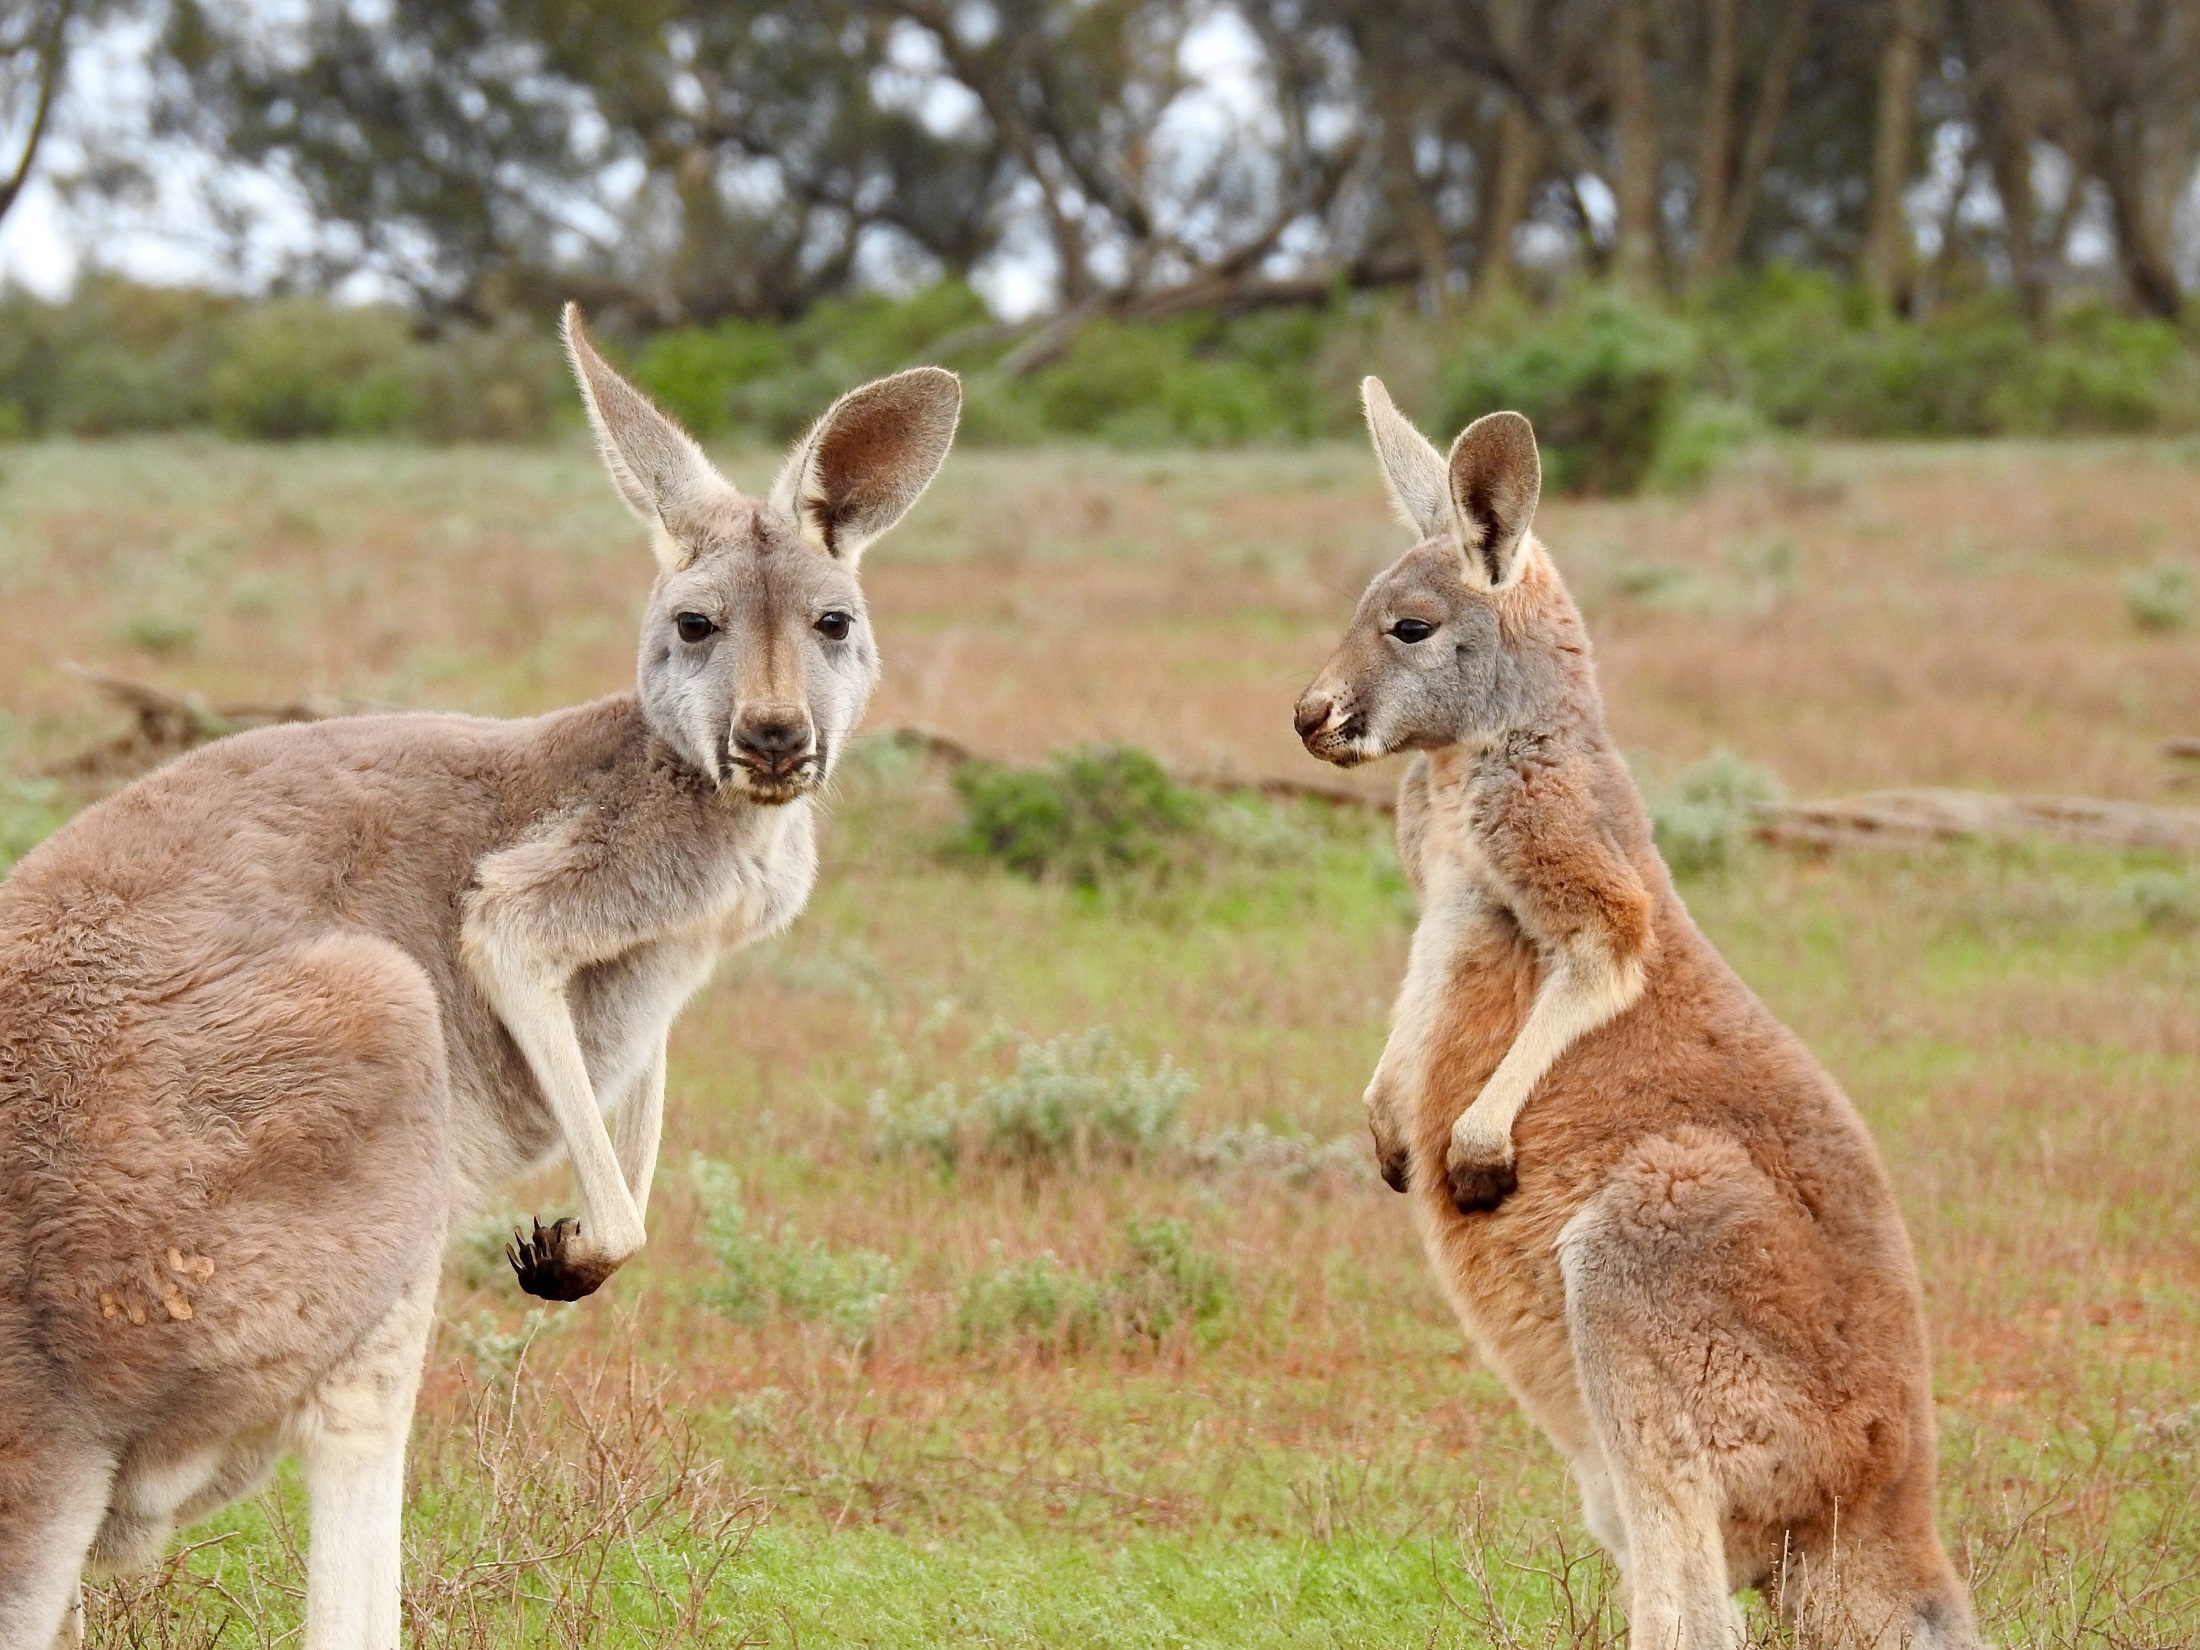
x=774, y=740
x=1310, y=716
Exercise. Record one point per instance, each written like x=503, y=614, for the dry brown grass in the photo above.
x=1332, y=1467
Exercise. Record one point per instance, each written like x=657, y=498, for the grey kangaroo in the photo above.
x=275, y=1016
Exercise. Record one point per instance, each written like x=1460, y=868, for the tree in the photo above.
x=35, y=38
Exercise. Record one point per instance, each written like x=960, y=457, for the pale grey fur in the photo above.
x=275, y=1017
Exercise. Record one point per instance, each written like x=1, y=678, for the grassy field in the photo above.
x=884, y=1379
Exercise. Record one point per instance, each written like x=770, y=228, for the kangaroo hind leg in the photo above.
x=53, y=1498
x=350, y=1437
x=1682, y=1371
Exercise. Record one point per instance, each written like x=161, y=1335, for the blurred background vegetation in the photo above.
x=1660, y=227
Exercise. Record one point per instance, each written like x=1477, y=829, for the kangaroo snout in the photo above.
x=1328, y=728
x=1312, y=715
x=775, y=743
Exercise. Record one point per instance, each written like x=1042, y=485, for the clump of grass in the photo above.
x=1038, y=1304
x=2165, y=900
x=1070, y=1102
x=2160, y=597
x=161, y=634
x=1702, y=818
x=31, y=810
x=768, y=1270
x=1298, y=1159
x=477, y=1248
x=1165, y=1284
x=495, y=1350
x=1084, y=818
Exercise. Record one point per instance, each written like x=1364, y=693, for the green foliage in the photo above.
x=116, y=357
x=31, y=810
x=1165, y=1285
x=2165, y=900
x=768, y=380
x=1297, y=1159
x=1039, y=1305
x=1202, y=381
x=2160, y=597
x=769, y=1271
x=296, y=368
x=1625, y=392
x=1809, y=354
x=1169, y=1281
x=1070, y=1102
x=1604, y=381
x=1081, y=818
x=1702, y=819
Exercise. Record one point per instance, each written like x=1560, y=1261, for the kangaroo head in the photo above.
x=1453, y=641
x=757, y=659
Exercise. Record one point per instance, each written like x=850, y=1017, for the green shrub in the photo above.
x=2160, y=597
x=1168, y=1281
x=768, y=379
x=31, y=810
x=1702, y=819
x=1039, y=1304
x=1811, y=353
x=1162, y=383
x=298, y=367
x=1069, y=1102
x=1166, y=1285
x=506, y=382
x=771, y=1271
x=1082, y=818
x=1298, y=1159
x=1603, y=380
x=699, y=374
x=2165, y=900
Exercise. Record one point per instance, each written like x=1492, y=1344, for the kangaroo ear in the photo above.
x=657, y=467
x=1413, y=470
x=869, y=459
x=1496, y=479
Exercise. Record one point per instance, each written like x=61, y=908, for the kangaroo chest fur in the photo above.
x=1471, y=970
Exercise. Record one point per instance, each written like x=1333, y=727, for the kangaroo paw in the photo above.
x=551, y=1264
x=1478, y=1187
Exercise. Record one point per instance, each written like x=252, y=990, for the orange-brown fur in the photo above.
x=1693, y=1275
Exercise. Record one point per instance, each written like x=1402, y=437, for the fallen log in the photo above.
x=1908, y=818
x=167, y=724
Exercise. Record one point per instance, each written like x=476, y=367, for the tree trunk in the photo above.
x=1402, y=183
x=1763, y=136
x=1715, y=138
x=1997, y=55
x=1635, y=127
x=1894, y=129
x=2139, y=251
x=1511, y=191
x=50, y=68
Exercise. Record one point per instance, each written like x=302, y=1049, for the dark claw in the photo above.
x=1478, y=1187
x=544, y=1267
x=1397, y=1171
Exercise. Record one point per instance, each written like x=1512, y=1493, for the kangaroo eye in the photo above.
x=1413, y=630
x=693, y=627
x=833, y=626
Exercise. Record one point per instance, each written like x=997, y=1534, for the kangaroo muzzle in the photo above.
x=773, y=750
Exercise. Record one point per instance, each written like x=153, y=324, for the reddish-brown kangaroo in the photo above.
x=1655, y=1214
x=272, y=1018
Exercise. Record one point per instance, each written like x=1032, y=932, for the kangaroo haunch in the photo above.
x=1655, y=1214
x=275, y=1017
